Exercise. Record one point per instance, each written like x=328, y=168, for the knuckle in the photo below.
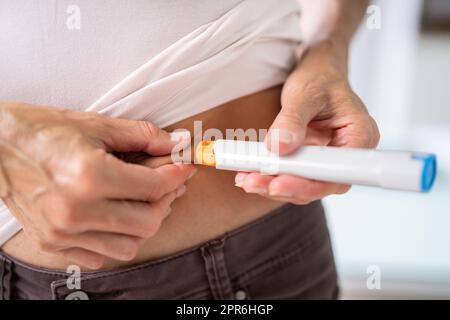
x=67, y=217
x=86, y=175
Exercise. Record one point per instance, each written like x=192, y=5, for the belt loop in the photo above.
x=216, y=269
x=5, y=278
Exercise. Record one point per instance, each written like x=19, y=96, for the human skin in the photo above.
x=71, y=195
x=318, y=107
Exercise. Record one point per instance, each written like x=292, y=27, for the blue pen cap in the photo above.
x=429, y=170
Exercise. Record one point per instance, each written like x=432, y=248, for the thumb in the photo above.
x=123, y=135
x=288, y=131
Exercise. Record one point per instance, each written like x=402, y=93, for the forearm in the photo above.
x=328, y=26
x=329, y=37
x=345, y=19
x=336, y=19
x=318, y=105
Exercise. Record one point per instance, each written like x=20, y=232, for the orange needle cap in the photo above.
x=204, y=153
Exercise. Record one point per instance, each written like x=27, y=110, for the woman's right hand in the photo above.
x=71, y=195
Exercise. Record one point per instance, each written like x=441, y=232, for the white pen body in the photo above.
x=387, y=169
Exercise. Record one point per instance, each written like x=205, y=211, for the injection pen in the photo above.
x=402, y=170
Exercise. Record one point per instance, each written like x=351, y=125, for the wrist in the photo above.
x=338, y=45
x=327, y=57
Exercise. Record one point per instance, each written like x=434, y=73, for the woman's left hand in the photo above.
x=318, y=108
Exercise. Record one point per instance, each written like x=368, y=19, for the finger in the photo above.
x=239, y=178
x=138, y=182
x=131, y=136
x=302, y=201
x=163, y=206
x=257, y=183
x=133, y=218
x=185, y=156
x=299, y=107
x=295, y=189
x=286, y=186
x=156, y=162
x=289, y=200
x=115, y=246
x=84, y=258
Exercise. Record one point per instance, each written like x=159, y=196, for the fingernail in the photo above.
x=275, y=193
x=239, y=180
x=125, y=254
x=259, y=190
x=95, y=263
x=180, y=191
x=281, y=136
